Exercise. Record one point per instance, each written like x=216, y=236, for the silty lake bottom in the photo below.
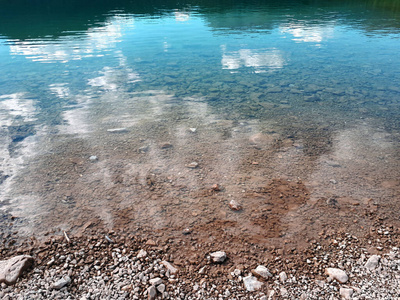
x=151, y=119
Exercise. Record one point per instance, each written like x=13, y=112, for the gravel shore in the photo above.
x=127, y=267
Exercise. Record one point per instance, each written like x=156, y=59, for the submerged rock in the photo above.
x=234, y=205
x=117, y=130
x=192, y=165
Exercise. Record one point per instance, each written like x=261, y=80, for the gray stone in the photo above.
x=142, y=253
x=192, y=165
x=337, y=274
x=346, y=293
x=282, y=277
x=59, y=284
x=156, y=281
x=143, y=149
x=372, y=262
x=218, y=257
x=262, y=271
x=161, y=288
x=151, y=293
x=172, y=270
x=251, y=283
x=12, y=268
x=93, y=158
x=284, y=292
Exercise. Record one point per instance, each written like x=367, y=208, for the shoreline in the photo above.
x=120, y=266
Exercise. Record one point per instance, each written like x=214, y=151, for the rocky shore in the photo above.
x=111, y=266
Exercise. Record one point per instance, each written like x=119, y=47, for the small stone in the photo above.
x=234, y=205
x=143, y=149
x=284, y=292
x=12, y=268
x=303, y=296
x=346, y=293
x=331, y=201
x=262, y=271
x=93, y=158
x=166, y=146
x=251, y=283
x=202, y=270
x=192, y=165
x=282, y=277
x=372, y=262
x=156, y=281
x=59, y=284
x=161, y=288
x=127, y=287
x=151, y=293
x=237, y=272
x=218, y=257
x=193, y=129
x=186, y=231
x=320, y=283
x=216, y=187
x=172, y=270
x=151, y=243
x=117, y=130
x=142, y=253
x=337, y=274
x=108, y=239
x=313, y=98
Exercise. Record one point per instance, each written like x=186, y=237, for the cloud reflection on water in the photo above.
x=91, y=43
x=309, y=34
x=261, y=60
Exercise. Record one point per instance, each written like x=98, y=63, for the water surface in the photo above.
x=296, y=97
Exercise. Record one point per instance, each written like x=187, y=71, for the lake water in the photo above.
x=296, y=100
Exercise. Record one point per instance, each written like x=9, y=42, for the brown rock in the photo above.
x=216, y=187
x=151, y=243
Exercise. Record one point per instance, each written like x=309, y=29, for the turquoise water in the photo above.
x=225, y=54
x=315, y=72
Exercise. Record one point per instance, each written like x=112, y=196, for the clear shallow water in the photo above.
x=320, y=79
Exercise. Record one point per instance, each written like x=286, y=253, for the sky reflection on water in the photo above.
x=315, y=82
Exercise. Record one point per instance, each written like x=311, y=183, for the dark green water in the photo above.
x=323, y=74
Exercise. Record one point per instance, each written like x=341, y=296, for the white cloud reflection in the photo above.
x=309, y=34
x=89, y=44
x=16, y=105
x=182, y=16
x=261, y=60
